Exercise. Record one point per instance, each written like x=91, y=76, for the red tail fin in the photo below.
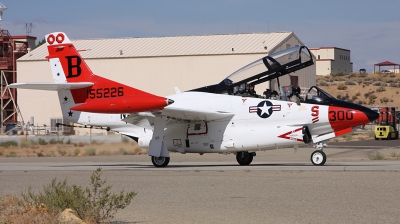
x=105, y=96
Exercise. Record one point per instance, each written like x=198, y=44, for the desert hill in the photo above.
x=371, y=90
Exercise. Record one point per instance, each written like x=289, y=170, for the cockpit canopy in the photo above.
x=261, y=70
x=264, y=69
x=316, y=95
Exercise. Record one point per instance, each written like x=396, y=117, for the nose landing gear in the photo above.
x=318, y=157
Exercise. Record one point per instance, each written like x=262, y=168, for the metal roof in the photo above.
x=172, y=46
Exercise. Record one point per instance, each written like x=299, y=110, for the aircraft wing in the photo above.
x=195, y=115
x=52, y=86
x=146, y=119
x=142, y=119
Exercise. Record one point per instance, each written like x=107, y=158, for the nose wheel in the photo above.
x=318, y=158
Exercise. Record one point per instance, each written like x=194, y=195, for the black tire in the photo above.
x=244, y=158
x=160, y=161
x=318, y=158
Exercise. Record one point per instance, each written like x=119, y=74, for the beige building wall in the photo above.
x=332, y=60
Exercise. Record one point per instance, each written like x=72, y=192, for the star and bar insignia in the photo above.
x=264, y=109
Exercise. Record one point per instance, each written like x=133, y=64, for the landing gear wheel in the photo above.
x=160, y=161
x=318, y=158
x=244, y=158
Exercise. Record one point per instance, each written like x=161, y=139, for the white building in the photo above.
x=156, y=65
x=332, y=60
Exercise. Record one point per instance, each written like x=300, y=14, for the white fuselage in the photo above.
x=246, y=130
x=255, y=124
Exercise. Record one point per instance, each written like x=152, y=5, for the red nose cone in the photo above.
x=341, y=118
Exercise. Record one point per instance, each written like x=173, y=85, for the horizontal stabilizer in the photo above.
x=51, y=86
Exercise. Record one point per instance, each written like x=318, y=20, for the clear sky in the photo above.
x=370, y=29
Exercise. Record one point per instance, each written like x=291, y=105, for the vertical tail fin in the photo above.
x=104, y=96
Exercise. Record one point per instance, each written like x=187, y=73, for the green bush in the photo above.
x=68, y=142
x=54, y=141
x=323, y=83
x=376, y=156
x=372, y=97
x=77, y=152
x=366, y=83
x=12, y=154
x=94, y=202
x=350, y=83
x=366, y=95
x=385, y=100
x=62, y=152
x=7, y=144
x=380, y=89
x=90, y=152
x=342, y=86
x=42, y=141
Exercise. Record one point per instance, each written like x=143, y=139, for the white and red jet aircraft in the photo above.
x=212, y=119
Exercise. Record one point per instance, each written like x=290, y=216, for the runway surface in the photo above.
x=280, y=186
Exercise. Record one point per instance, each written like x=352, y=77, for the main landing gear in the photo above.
x=245, y=158
x=160, y=161
x=318, y=157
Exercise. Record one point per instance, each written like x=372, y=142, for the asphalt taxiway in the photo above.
x=280, y=186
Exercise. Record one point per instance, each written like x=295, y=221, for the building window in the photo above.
x=287, y=46
x=319, y=57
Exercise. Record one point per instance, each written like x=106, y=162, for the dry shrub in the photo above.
x=15, y=210
x=95, y=202
x=376, y=156
x=342, y=86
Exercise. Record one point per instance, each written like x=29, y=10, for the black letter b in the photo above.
x=71, y=66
